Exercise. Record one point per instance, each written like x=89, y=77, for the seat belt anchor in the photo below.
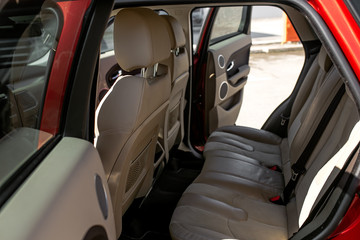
x=294, y=175
x=283, y=119
x=295, y=171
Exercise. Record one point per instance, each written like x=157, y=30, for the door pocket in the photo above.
x=226, y=113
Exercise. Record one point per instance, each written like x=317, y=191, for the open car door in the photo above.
x=52, y=181
x=223, y=67
x=66, y=197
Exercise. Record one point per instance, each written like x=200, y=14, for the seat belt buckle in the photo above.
x=276, y=168
x=283, y=119
x=277, y=200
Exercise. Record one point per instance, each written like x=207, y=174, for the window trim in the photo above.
x=222, y=38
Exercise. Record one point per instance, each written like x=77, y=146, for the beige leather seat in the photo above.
x=129, y=117
x=230, y=198
x=173, y=130
x=221, y=205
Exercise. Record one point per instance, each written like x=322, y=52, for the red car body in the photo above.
x=335, y=14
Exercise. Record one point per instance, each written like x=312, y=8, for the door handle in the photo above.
x=231, y=66
x=241, y=72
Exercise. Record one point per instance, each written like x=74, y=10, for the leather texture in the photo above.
x=325, y=62
x=129, y=117
x=176, y=32
x=259, y=145
x=230, y=197
x=173, y=129
x=140, y=38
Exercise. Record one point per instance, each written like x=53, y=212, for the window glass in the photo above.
x=227, y=22
x=276, y=59
x=198, y=17
x=28, y=41
x=107, y=43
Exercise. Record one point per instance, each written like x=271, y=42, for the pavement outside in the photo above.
x=272, y=77
x=275, y=68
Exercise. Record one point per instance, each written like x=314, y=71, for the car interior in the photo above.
x=176, y=163
x=162, y=120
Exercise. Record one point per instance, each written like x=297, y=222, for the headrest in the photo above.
x=140, y=38
x=325, y=62
x=176, y=32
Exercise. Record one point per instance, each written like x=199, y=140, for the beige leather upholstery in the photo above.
x=230, y=198
x=173, y=129
x=129, y=117
x=147, y=36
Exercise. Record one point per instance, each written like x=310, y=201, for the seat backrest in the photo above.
x=323, y=164
x=314, y=78
x=311, y=102
x=335, y=135
x=173, y=129
x=129, y=117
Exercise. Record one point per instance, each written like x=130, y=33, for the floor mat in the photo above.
x=149, y=218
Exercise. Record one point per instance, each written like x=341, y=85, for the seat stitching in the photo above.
x=245, y=178
x=237, y=150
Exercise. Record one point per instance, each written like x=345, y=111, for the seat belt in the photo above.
x=298, y=168
x=325, y=196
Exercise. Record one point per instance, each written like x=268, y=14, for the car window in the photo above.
x=225, y=25
x=198, y=17
x=228, y=22
x=107, y=43
x=28, y=41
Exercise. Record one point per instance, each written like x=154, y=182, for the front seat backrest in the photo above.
x=129, y=117
x=173, y=130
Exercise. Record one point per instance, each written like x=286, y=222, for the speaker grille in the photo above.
x=136, y=168
x=223, y=90
x=221, y=61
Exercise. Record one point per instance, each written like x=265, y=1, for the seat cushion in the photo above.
x=259, y=145
x=230, y=199
x=239, y=168
x=215, y=212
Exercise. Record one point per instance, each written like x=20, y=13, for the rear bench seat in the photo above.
x=230, y=198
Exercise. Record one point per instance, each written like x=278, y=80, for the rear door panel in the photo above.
x=51, y=187
x=226, y=75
